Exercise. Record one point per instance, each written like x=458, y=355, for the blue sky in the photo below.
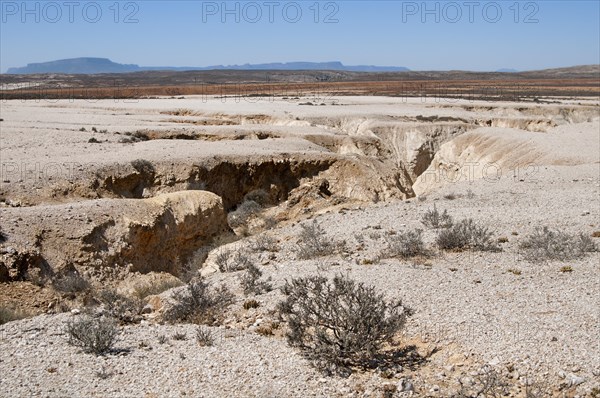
x=433, y=35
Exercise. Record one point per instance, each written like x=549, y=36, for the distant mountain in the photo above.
x=507, y=70
x=75, y=66
x=104, y=65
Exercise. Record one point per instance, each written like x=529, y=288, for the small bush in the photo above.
x=178, y=336
x=162, y=339
x=243, y=213
x=204, y=337
x=466, y=234
x=313, y=241
x=546, y=244
x=9, y=314
x=488, y=383
x=82, y=129
x=199, y=303
x=143, y=166
x=406, y=244
x=434, y=219
x=93, y=335
x=70, y=282
x=248, y=304
x=251, y=283
x=265, y=243
x=93, y=141
x=125, y=309
x=339, y=324
x=228, y=261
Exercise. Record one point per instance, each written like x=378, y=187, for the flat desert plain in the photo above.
x=144, y=195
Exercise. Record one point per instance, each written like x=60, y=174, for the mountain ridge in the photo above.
x=93, y=65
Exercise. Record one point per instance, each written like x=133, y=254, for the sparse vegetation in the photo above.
x=251, y=283
x=265, y=243
x=450, y=196
x=199, y=303
x=179, y=336
x=93, y=335
x=503, y=239
x=566, y=268
x=143, y=166
x=406, y=244
x=125, y=309
x=248, y=304
x=596, y=234
x=313, y=241
x=339, y=324
x=242, y=214
x=70, y=282
x=546, y=244
x=434, y=219
x=466, y=234
x=204, y=337
x=537, y=388
x=9, y=314
x=230, y=261
x=93, y=141
x=162, y=339
x=487, y=383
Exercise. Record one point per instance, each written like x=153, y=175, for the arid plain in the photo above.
x=137, y=194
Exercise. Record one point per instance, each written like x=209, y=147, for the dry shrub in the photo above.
x=314, y=242
x=546, y=244
x=251, y=283
x=9, y=314
x=200, y=303
x=406, y=244
x=93, y=335
x=466, y=234
x=434, y=219
x=125, y=309
x=340, y=324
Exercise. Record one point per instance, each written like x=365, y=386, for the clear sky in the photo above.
x=432, y=35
